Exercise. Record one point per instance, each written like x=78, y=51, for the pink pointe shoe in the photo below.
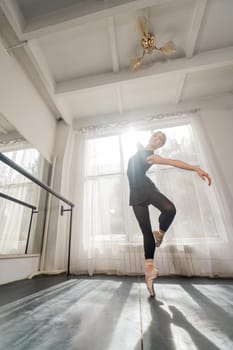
x=150, y=276
x=158, y=236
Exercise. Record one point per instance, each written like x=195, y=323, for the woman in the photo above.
x=143, y=192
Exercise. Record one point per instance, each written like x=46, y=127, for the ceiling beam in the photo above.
x=2, y=130
x=113, y=43
x=25, y=58
x=202, y=61
x=39, y=71
x=180, y=87
x=119, y=99
x=115, y=60
x=77, y=14
x=37, y=58
x=195, y=26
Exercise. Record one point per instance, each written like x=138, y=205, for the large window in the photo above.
x=106, y=177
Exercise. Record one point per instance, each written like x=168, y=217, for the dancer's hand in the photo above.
x=204, y=175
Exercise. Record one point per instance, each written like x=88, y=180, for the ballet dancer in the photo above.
x=143, y=193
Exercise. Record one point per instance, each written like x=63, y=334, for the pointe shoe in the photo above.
x=158, y=236
x=150, y=276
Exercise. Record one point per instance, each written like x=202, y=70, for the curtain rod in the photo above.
x=130, y=122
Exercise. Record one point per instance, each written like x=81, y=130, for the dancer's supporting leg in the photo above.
x=142, y=215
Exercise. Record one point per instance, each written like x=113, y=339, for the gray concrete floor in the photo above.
x=115, y=313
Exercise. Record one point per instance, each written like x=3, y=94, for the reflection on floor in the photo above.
x=115, y=313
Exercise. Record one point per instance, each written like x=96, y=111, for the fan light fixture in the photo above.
x=148, y=43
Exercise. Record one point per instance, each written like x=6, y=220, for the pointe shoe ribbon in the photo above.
x=150, y=276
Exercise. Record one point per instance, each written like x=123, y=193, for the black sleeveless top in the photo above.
x=140, y=185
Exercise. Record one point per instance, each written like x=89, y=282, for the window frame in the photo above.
x=153, y=125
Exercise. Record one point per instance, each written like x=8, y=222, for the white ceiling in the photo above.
x=80, y=51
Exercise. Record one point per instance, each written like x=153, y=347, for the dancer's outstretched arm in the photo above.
x=156, y=159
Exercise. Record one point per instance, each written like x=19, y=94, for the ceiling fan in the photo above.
x=148, y=43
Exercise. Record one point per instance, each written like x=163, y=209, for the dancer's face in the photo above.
x=157, y=140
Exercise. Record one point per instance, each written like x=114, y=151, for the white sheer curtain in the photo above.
x=14, y=218
x=106, y=236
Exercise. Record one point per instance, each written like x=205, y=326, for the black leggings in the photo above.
x=168, y=211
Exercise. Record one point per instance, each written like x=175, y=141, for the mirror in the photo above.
x=21, y=223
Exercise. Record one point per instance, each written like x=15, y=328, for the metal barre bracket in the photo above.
x=62, y=210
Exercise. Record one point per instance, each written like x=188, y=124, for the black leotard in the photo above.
x=140, y=185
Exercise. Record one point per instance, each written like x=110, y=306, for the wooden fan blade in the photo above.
x=142, y=25
x=136, y=63
x=169, y=47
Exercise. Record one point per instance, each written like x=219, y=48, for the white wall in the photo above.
x=218, y=128
x=17, y=268
x=24, y=108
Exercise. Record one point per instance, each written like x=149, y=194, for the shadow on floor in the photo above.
x=159, y=334
x=222, y=320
